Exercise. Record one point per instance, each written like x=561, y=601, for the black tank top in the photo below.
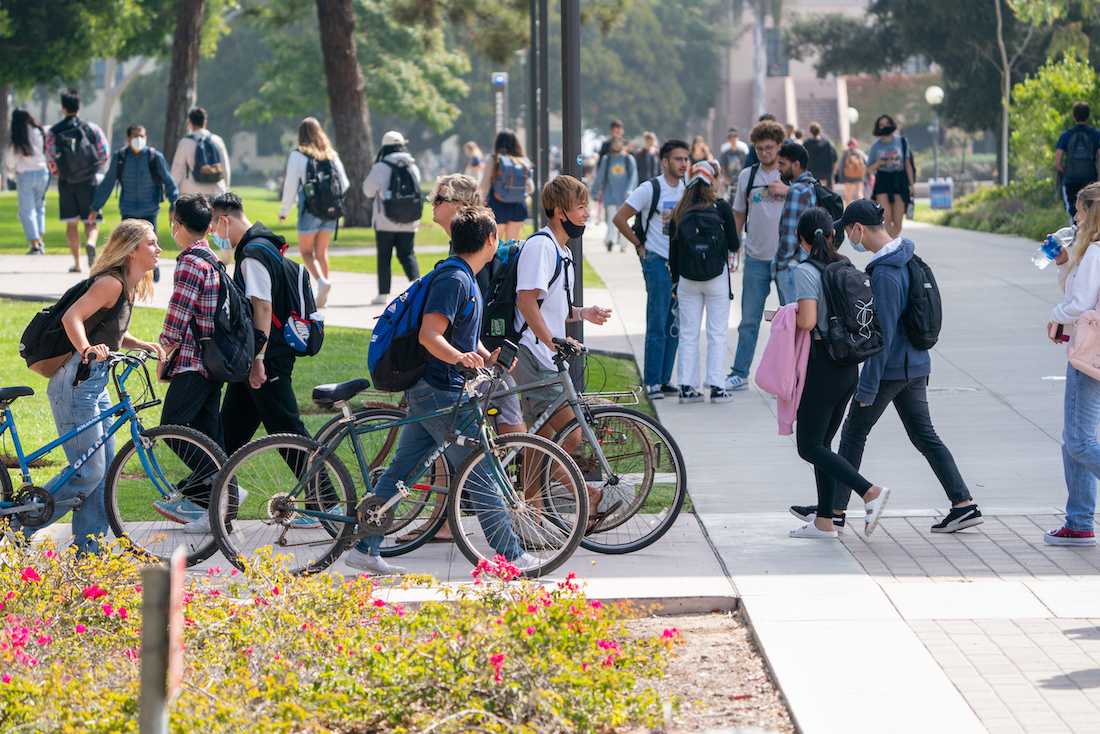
x=111, y=332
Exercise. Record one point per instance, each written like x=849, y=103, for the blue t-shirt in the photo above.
x=1063, y=143
x=450, y=293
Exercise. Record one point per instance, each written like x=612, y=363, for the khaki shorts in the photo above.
x=529, y=369
x=508, y=405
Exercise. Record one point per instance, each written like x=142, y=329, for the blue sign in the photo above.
x=500, y=78
x=941, y=192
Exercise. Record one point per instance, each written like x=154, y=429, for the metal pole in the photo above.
x=543, y=102
x=935, y=145
x=533, y=111
x=571, y=144
x=155, y=590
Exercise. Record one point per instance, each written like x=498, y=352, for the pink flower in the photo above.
x=80, y=629
x=275, y=591
x=379, y=603
x=670, y=633
x=595, y=604
x=531, y=608
x=108, y=609
x=122, y=613
x=130, y=654
x=6, y=678
x=93, y=592
x=29, y=575
x=399, y=609
x=50, y=554
x=530, y=630
x=44, y=639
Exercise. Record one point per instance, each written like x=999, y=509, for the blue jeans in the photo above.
x=31, y=197
x=1080, y=449
x=417, y=440
x=72, y=407
x=756, y=284
x=660, y=312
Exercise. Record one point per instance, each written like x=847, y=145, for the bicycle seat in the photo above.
x=326, y=395
x=8, y=394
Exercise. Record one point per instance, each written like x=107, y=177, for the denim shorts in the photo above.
x=309, y=224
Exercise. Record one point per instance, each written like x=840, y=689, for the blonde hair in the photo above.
x=473, y=149
x=1088, y=201
x=458, y=187
x=114, y=259
x=313, y=142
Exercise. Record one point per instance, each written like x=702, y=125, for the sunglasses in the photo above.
x=440, y=199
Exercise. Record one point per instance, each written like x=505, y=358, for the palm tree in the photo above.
x=761, y=9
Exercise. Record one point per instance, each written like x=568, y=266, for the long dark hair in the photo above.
x=506, y=143
x=816, y=227
x=386, y=150
x=21, y=123
x=699, y=196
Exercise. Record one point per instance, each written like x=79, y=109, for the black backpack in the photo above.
x=499, y=320
x=829, y=200
x=301, y=332
x=703, y=236
x=324, y=191
x=45, y=344
x=854, y=333
x=403, y=202
x=120, y=158
x=923, y=314
x=641, y=226
x=209, y=166
x=228, y=352
x=1080, y=156
x=76, y=155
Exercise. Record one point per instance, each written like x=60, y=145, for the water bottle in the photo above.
x=1052, y=246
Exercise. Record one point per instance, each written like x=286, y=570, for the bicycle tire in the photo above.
x=652, y=477
x=417, y=518
x=268, y=469
x=535, y=468
x=183, y=456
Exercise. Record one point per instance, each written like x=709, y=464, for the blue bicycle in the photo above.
x=156, y=464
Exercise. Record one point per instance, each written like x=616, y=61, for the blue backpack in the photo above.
x=510, y=184
x=396, y=358
x=209, y=167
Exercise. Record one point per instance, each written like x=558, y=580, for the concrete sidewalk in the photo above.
x=988, y=629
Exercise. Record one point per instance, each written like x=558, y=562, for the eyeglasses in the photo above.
x=765, y=148
x=440, y=199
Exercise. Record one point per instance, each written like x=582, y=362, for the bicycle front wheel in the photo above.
x=281, y=495
x=648, y=480
x=522, y=492
x=147, y=484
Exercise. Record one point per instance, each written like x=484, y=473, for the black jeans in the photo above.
x=402, y=242
x=828, y=389
x=274, y=405
x=910, y=399
x=195, y=401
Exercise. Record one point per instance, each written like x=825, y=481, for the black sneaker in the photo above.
x=691, y=395
x=959, y=518
x=807, y=513
x=668, y=389
x=654, y=392
x=720, y=394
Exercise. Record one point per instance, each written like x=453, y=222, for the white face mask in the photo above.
x=137, y=144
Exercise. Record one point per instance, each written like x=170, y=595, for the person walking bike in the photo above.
x=314, y=178
x=26, y=161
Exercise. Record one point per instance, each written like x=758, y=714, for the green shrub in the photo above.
x=266, y=652
x=1029, y=208
x=1041, y=110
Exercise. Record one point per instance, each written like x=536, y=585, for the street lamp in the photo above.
x=934, y=96
x=852, y=114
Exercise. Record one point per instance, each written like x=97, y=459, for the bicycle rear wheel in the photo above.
x=263, y=499
x=418, y=517
x=537, y=502
x=181, y=462
x=649, y=477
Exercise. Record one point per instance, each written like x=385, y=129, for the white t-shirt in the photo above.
x=761, y=240
x=656, y=238
x=257, y=280
x=537, y=263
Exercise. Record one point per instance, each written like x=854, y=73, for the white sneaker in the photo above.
x=734, y=382
x=380, y=299
x=323, y=287
x=527, y=562
x=201, y=526
x=374, y=565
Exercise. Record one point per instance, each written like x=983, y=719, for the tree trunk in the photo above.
x=759, y=63
x=183, y=80
x=5, y=125
x=112, y=92
x=1006, y=92
x=347, y=101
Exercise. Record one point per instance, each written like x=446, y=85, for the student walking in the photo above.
x=828, y=388
x=200, y=164
x=1079, y=277
x=506, y=183
x=1075, y=156
x=26, y=162
x=801, y=195
x=731, y=161
x=852, y=171
x=654, y=201
x=703, y=235
x=700, y=151
x=475, y=160
x=616, y=177
x=891, y=163
x=75, y=151
x=314, y=171
x=822, y=161
x=392, y=235
x=121, y=275
x=648, y=158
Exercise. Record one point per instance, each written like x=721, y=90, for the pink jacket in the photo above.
x=782, y=369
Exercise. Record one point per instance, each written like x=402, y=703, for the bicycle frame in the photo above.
x=125, y=412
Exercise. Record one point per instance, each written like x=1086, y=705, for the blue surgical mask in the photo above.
x=857, y=246
x=222, y=243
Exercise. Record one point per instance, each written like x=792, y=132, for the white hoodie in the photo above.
x=377, y=184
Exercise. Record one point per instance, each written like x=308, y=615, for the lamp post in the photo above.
x=934, y=96
x=852, y=114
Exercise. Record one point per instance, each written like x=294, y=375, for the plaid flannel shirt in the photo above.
x=800, y=197
x=100, y=146
x=195, y=293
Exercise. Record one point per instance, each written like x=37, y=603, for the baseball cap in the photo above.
x=393, y=138
x=860, y=211
x=702, y=171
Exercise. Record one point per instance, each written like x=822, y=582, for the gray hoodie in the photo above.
x=377, y=184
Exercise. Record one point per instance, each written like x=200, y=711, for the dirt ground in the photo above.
x=717, y=675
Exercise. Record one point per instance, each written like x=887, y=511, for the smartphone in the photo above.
x=769, y=314
x=507, y=354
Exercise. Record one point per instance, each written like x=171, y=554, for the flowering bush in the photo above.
x=267, y=652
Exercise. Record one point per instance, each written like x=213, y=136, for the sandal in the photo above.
x=74, y=269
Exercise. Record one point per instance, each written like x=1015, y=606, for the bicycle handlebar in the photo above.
x=567, y=348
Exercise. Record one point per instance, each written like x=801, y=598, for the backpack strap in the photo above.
x=217, y=265
x=748, y=192
x=652, y=205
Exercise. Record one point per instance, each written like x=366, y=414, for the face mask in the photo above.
x=222, y=243
x=575, y=231
x=887, y=130
x=857, y=246
x=137, y=144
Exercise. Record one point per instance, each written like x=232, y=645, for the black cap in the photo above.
x=860, y=211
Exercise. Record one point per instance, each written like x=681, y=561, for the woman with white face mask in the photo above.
x=144, y=180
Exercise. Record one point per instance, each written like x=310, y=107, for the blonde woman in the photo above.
x=475, y=160
x=1079, y=277
x=314, y=233
x=97, y=324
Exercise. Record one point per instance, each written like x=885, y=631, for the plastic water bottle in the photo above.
x=1052, y=246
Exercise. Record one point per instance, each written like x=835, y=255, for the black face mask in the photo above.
x=887, y=130
x=575, y=231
